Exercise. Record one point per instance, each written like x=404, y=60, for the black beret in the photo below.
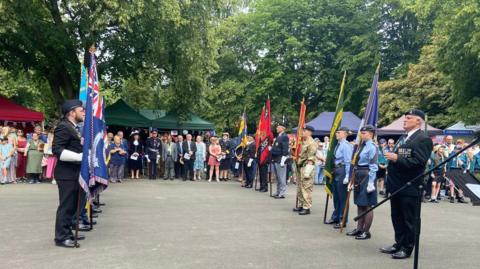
x=70, y=105
x=154, y=130
x=368, y=128
x=343, y=128
x=310, y=128
x=416, y=112
x=281, y=124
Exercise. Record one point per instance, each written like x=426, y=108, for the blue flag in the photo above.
x=94, y=172
x=83, y=85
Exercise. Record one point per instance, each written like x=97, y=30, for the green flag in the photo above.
x=337, y=120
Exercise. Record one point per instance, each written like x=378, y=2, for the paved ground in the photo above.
x=160, y=224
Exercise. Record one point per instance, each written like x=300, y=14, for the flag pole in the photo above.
x=77, y=219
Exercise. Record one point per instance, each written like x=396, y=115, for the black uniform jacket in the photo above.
x=280, y=147
x=412, y=160
x=66, y=137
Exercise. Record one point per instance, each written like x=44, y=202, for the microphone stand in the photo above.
x=420, y=190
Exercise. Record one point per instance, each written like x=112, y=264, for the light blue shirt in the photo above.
x=369, y=156
x=343, y=155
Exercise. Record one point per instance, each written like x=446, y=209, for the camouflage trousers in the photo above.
x=304, y=190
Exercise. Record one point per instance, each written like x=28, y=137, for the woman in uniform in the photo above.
x=365, y=194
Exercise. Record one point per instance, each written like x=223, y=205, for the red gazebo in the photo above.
x=11, y=112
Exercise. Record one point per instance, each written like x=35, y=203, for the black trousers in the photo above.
x=263, y=172
x=68, y=197
x=249, y=173
x=404, y=210
x=188, y=169
x=340, y=192
x=179, y=169
x=152, y=168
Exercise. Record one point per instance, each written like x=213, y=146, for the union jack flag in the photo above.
x=94, y=173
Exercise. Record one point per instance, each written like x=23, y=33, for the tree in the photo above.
x=424, y=87
x=290, y=50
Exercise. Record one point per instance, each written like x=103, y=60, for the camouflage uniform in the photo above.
x=305, y=184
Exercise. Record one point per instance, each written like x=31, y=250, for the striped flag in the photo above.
x=94, y=173
x=337, y=120
x=242, y=131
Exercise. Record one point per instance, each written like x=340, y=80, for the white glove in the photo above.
x=283, y=160
x=148, y=159
x=269, y=148
x=370, y=187
x=345, y=180
x=350, y=187
x=70, y=156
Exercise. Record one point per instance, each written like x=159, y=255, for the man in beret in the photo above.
x=279, y=157
x=68, y=149
x=405, y=163
x=306, y=165
x=343, y=157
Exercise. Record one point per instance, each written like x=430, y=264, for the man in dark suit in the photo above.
x=189, y=151
x=248, y=157
x=68, y=149
x=180, y=163
x=405, y=163
x=153, y=152
x=279, y=157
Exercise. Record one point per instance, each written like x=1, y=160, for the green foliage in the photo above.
x=24, y=88
x=424, y=87
x=289, y=50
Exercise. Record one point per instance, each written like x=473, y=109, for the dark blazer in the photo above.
x=66, y=137
x=280, y=147
x=180, y=150
x=193, y=148
x=412, y=160
x=153, y=147
x=249, y=152
x=138, y=149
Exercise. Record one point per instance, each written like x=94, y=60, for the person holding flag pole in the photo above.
x=337, y=165
x=298, y=137
x=264, y=138
x=364, y=165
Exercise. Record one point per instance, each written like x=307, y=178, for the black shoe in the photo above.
x=80, y=237
x=304, y=211
x=363, y=236
x=389, y=249
x=172, y=178
x=248, y=186
x=94, y=216
x=355, y=232
x=297, y=209
x=461, y=200
x=263, y=190
x=452, y=200
x=433, y=201
x=94, y=222
x=401, y=254
x=331, y=221
x=96, y=210
x=381, y=192
x=337, y=226
x=279, y=197
x=82, y=228
x=99, y=204
x=67, y=244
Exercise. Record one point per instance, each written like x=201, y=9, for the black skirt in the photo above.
x=439, y=178
x=381, y=172
x=225, y=163
x=360, y=195
x=135, y=164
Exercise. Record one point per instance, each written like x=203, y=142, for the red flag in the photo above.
x=257, y=134
x=264, y=133
x=301, y=123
